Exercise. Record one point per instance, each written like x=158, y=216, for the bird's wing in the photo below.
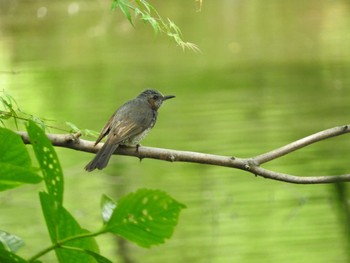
x=124, y=123
x=105, y=130
x=127, y=125
x=123, y=130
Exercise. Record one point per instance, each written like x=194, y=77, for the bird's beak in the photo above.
x=168, y=97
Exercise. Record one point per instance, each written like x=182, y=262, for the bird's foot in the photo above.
x=137, y=147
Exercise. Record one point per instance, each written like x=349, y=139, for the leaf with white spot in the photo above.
x=10, y=257
x=108, y=206
x=48, y=161
x=146, y=217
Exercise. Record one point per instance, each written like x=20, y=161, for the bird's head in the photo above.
x=154, y=98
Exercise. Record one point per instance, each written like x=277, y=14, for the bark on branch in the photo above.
x=252, y=165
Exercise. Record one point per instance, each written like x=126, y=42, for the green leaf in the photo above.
x=48, y=161
x=144, y=4
x=5, y=115
x=72, y=126
x=153, y=22
x=10, y=242
x=114, y=5
x=87, y=132
x=96, y=256
x=8, y=102
x=174, y=27
x=16, y=167
x=137, y=12
x=108, y=206
x=49, y=209
x=124, y=7
x=63, y=228
x=146, y=217
x=9, y=257
x=13, y=150
x=13, y=176
x=38, y=121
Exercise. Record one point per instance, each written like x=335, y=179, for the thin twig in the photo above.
x=316, y=137
x=251, y=165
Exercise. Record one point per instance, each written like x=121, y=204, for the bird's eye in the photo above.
x=155, y=97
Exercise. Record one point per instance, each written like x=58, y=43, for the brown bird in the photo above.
x=128, y=126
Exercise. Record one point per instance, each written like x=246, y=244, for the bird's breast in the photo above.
x=135, y=140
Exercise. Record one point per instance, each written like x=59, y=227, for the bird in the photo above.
x=128, y=126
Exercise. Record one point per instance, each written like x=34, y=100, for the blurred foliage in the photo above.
x=146, y=12
x=146, y=217
x=10, y=111
x=341, y=192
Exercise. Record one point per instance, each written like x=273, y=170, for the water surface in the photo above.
x=268, y=74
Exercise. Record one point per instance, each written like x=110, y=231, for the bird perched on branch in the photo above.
x=128, y=125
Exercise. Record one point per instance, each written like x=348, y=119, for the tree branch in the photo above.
x=251, y=165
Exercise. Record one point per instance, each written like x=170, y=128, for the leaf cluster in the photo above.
x=146, y=217
x=147, y=13
x=10, y=111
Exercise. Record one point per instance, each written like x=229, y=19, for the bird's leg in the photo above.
x=137, y=147
x=137, y=150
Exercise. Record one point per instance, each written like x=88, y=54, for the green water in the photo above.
x=269, y=72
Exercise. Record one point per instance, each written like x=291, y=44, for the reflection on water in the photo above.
x=269, y=73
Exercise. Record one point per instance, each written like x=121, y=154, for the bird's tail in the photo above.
x=102, y=157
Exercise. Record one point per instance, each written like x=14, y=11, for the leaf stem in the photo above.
x=60, y=243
